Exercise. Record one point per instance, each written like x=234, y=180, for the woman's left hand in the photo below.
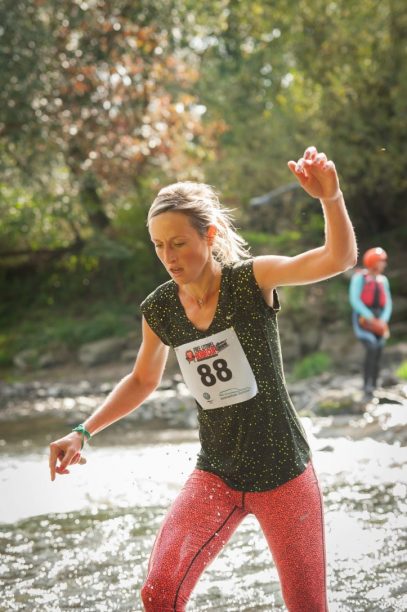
x=316, y=174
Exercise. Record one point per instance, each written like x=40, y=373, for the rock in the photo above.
x=388, y=379
x=290, y=341
x=166, y=383
x=399, y=307
x=171, y=407
x=54, y=358
x=395, y=354
x=134, y=338
x=171, y=367
x=342, y=347
x=310, y=338
x=383, y=397
x=129, y=355
x=335, y=401
x=26, y=360
x=101, y=351
x=381, y=422
x=398, y=330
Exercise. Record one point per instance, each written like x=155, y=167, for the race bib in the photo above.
x=216, y=370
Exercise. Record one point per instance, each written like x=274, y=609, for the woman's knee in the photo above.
x=160, y=595
x=155, y=596
x=307, y=596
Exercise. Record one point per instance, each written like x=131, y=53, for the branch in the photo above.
x=39, y=255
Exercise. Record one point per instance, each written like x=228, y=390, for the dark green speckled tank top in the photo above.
x=257, y=444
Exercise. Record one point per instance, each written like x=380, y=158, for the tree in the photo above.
x=357, y=54
x=95, y=98
x=283, y=75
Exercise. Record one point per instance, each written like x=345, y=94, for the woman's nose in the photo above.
x=169, y=255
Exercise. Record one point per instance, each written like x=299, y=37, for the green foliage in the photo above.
x=284, y=75
x=89, y=117
x=6, y=351
x=50, y=329
x=287, y=242
x=100, y=107
x=401, y=371
x=355, y=53
x=311, y=365
x=73, y=331
x=336, y=298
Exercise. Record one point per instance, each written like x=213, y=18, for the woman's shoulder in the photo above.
x=241, y=268
x=159, y=296
x=241, y=276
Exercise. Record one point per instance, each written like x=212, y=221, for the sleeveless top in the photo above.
x=256, y=443
x=373, y=293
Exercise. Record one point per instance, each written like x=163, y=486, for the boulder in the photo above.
x=336, y=401
x=342, y=347
x=310, y=338
x=172, y=367
x=129, y=355
x=290, y=341
x=399, y=307
x=57, y=356
x=388, y=379
x=398, y=330
x=101, y=351
x=395, y=354
x=26, y=360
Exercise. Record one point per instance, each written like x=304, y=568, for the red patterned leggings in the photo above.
x=203, y=518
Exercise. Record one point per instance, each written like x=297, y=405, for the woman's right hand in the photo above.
x=66, y=451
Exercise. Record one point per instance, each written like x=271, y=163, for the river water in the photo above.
x=83, y=541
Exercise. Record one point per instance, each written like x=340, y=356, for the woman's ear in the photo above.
x=211, y=234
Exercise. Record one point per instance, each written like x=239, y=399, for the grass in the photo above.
x=311, y=365
x=402, y=371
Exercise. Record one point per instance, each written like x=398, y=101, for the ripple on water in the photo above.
x=92, y=554
x=78, y=560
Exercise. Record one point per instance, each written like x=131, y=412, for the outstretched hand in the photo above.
x=63, y=453
x=316, y=174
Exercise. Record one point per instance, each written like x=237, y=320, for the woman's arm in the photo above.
x=318, y=177
x=128, y=394
x=134, y=388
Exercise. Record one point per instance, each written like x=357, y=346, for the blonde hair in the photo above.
x=200, y=203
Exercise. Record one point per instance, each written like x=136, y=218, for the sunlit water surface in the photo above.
x=83, y=542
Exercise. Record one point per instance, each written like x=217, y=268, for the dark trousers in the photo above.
x=371, y=366
x=373, y=353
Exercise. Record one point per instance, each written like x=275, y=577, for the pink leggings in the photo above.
x=203, y=518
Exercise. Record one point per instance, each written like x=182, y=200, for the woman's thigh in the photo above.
x=198, y=524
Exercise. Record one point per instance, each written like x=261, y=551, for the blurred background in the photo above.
x=101, y=104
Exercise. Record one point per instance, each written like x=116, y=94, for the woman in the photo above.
x=370, y=297
x=219, y=313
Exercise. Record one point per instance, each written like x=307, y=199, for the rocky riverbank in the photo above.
x=333, y=403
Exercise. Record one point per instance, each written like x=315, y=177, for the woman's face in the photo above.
x=180, y=248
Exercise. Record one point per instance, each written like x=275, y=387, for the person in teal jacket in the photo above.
x=370, y=298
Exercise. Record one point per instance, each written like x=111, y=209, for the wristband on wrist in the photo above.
x=333, y=198
x=81, y=429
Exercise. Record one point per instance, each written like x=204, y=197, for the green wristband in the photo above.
x=81, y=429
